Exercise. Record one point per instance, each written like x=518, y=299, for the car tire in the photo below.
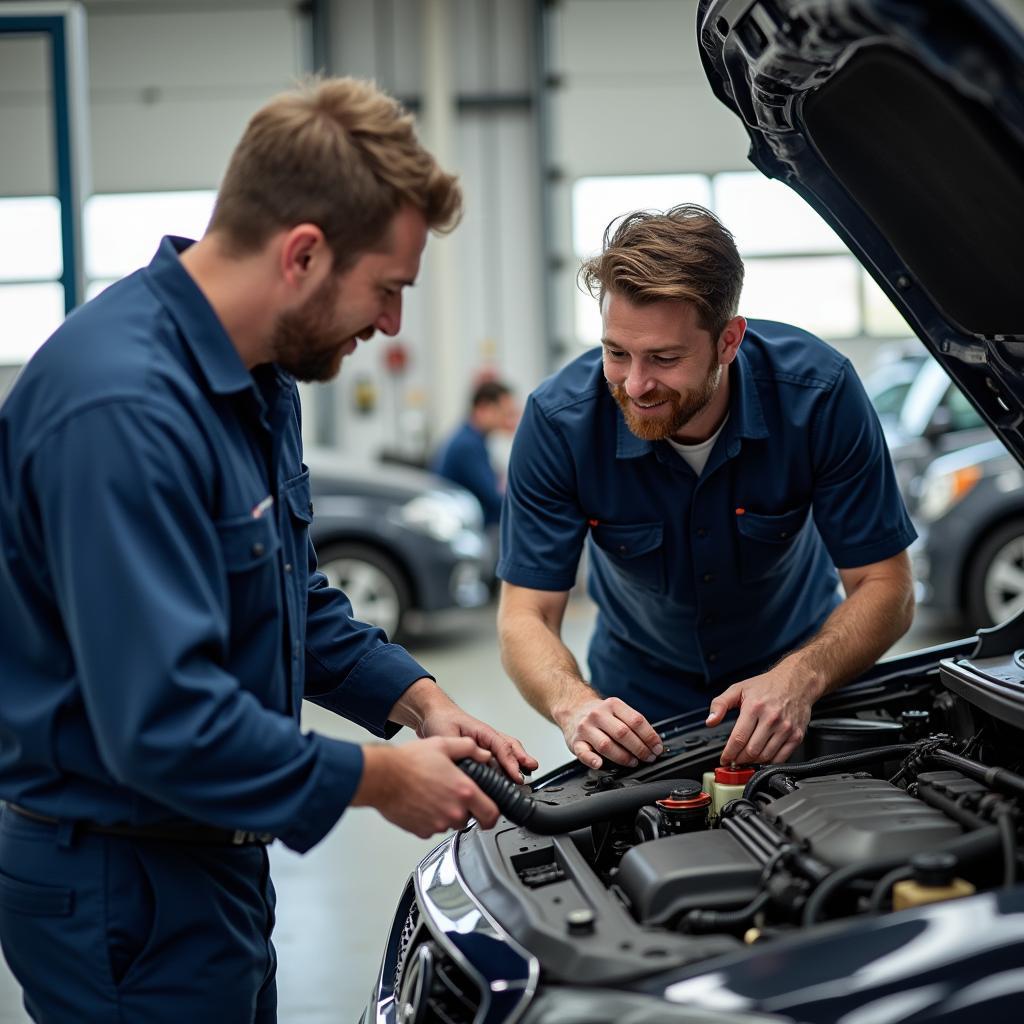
x=995, y=576
x=371, y=580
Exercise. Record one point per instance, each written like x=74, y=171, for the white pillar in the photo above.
x=446, y=373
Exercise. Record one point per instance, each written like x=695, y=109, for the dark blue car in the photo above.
x=873, y=879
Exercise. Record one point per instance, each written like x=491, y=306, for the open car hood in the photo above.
x=902, y=124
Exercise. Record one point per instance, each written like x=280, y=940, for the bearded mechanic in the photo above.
x=161, y=616
x=725, y=476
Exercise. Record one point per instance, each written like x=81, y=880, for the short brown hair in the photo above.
x=338, y=153
x=684, y=254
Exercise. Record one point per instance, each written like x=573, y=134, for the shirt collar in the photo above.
x=746, y=417
x=202, y=331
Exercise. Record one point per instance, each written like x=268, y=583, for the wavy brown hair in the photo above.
x=685, y=255
x=338, y=153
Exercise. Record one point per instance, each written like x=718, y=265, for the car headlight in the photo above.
x=941, y=491
x=441, y=515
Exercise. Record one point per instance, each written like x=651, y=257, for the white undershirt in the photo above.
x=697, y=454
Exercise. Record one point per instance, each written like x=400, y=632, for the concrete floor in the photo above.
x=335, y=903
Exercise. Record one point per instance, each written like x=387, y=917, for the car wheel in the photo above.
x=995, y=576
x=374, y=584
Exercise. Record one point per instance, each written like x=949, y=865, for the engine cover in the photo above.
x=846, y=819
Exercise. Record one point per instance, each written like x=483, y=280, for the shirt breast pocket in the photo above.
x=634, y=550
x=250, y=549
x=767, y=542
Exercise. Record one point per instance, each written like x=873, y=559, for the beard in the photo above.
x=682, y=407
x=307, y=341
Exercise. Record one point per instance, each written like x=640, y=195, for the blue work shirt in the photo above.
x=161, y=616
x=712, y=577
x=464, y=459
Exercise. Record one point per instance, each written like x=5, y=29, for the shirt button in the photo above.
x=257, y=549
x=701, y=532
x=623, y=549
x=709, y=577
x=709, y=620
x=311, y=508
x=712, y=658
x=287, y=566
x=783, y=535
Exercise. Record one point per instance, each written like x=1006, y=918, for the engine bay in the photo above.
x=903, y=794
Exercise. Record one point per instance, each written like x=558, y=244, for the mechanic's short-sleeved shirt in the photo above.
x=161, y=616
x=715, y=576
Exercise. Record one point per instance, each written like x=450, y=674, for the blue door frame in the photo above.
x=62, y=35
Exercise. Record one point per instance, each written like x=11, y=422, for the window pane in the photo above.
x=817, y=293
x=767, y=217
x=588, y=319
x=123, y=231
x=597, y=201
x=29, y=313
x=881, y=317
x=93, y=288
x=30, y=242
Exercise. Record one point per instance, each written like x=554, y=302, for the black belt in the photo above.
x=167, y=831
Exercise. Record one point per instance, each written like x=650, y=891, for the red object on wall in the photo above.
x=396, y=358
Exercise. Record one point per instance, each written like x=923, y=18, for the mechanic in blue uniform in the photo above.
x=464, y=458
x=161, y=616
x=726, y=476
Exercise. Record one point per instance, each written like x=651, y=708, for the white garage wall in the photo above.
x=499, y=316
x=173, y=83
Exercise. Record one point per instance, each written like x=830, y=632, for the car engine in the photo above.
x=904, y=795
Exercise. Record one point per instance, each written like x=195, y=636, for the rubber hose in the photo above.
x=717, y=920
x=967, y=847
x=830, y=762
x=546, y=820
x=885, y=884
x=996, y=778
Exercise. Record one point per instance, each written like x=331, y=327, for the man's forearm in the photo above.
x=857, y=633
x=417, y=701
x=542, y=667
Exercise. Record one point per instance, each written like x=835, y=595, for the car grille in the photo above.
x=453, y=998
x=408, y=930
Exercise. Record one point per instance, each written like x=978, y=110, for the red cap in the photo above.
x=671, y=804
x=733, y=776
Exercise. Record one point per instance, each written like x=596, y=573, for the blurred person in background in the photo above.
x=464, y=457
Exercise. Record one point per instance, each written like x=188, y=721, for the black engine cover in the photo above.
x=846, y=819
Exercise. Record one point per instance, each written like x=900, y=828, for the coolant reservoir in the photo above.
x=725, y=784
x=933, y=881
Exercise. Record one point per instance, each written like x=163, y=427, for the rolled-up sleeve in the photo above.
x=138, y=574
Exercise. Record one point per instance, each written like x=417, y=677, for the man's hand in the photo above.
x=431, y=712
x=774, y=711
x=418, y=787
x=453, y=721
x=596, y=728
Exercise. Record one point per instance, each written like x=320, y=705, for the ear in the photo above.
x=730, y=338
x=304, y=256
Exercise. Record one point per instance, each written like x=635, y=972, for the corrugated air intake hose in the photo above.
x=546, y=820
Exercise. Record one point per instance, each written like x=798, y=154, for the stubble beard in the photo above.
x=306, y=341
x=683, y=407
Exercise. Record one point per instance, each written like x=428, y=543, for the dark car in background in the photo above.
x=873, y=879
x=969, y=556
x=933, y=418
x=963, y=489
x=404, y=545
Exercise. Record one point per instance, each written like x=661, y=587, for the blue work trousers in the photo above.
x=122, y=930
